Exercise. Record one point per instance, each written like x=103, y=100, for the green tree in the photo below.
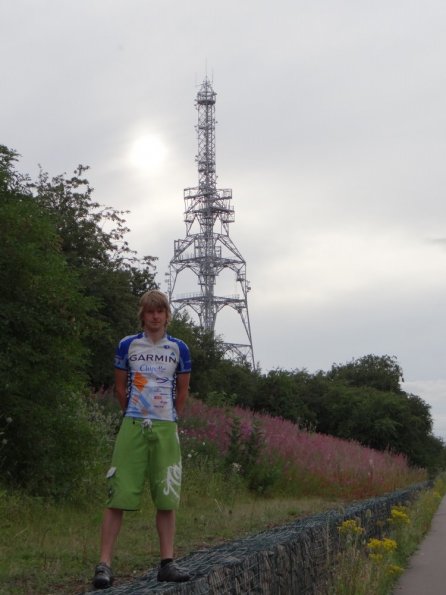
x=237, y=380
x=214, y=376
x=43, y=319
x=206, y=352
x=383, y=420
x=92, y=239
x=382, y=372
x=278, y=394
x=361, y=400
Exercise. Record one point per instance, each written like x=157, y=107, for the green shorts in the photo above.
x=145, y=450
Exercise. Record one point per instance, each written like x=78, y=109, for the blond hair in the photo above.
x=152, y=300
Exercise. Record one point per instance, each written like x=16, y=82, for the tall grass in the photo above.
x=52, y=548
x=308, y=462
x=374, y=566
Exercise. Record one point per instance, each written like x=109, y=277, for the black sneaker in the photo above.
x=103, y=576
x=172, y=573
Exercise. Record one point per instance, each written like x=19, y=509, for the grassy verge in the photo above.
x=51, y=549
x=374, y=566
x=242, y=474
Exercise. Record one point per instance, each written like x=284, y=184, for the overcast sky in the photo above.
x=331, y=133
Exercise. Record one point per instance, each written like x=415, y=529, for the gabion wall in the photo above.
x=294, y=559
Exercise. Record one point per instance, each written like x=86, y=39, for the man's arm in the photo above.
x=121, y=377
x=182, y=390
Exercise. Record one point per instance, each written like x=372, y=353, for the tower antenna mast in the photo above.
x=207, y=249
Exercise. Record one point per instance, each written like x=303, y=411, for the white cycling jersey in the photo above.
x=152, y=369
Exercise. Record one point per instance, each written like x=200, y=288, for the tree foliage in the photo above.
x=43, y=318
x=68, y=291
x=381, y=372
x=361, y=400
x=92, y=240
x=280, y=393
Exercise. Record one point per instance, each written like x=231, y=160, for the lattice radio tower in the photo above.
x=207, y=248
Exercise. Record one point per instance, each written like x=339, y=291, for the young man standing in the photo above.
x=152, y=372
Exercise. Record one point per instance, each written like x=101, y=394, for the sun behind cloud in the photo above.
x=147, y=153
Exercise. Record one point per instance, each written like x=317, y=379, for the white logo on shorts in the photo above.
x=111, y=472
x=173, y=480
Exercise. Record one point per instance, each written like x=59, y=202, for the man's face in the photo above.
x=155, y=319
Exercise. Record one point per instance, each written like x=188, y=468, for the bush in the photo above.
x=245, y=454
x=61, y=452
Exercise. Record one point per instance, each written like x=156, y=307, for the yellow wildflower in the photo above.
x=399, y=516
x=394, y=569
x=350, y=527
x=382, y=546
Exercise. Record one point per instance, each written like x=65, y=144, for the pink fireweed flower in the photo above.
x=343, y=464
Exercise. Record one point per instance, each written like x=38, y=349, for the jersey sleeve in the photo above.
x=185, y=363
x=122, y=354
